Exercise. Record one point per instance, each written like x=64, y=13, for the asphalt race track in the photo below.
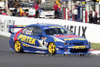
x=11, y=59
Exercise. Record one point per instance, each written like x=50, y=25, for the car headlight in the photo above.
x=88, y=43
x=65, y=43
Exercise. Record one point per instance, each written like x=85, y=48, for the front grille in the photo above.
x=49, y=15
x=78, y=43
x=78, y=50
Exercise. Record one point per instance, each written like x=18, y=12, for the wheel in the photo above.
x=52, y=48
x=18, y=47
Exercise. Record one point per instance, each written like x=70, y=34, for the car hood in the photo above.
x=70, y=38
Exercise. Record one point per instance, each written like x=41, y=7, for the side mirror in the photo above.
x=40, y=34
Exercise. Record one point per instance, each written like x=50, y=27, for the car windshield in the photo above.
x=54, y=31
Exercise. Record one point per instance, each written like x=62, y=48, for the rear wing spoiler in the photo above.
x=15, y=26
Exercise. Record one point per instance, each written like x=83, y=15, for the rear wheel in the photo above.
x=18, y=47
x=52, y=48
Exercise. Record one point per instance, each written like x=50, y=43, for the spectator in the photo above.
x=59, y=12
x=4, y=12
x=95, y=18
x=4, y=7
x=78, y=8
x=36, y=10
x=58, y=2
x=34, y=4
x=10, y=3
x=75, y=14
x=9, y=12
x=17, y=3
x=21, y=11
x=90, y=17
x=56, y=10
x=13, y=3
x=70, y=15
x=14, y=11
x=0, y=11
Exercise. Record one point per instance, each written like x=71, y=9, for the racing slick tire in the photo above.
x=52, y=48
x=18, y=47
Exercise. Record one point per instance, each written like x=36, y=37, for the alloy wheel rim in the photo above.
x=51, y=48
x=17, y=46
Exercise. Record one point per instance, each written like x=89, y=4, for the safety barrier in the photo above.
x=90, y=31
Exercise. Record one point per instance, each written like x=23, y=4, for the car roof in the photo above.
x=44, y=25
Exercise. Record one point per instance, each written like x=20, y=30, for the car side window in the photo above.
x=36, y=30
x=28, y=31
x=24, y=31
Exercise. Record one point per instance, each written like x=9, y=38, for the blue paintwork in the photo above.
x=61, y=48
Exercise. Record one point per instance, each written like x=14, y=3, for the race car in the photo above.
x=47, y=38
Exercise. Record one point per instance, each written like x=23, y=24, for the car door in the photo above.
x=26, y=36
x=30, y=39
x=35, y=34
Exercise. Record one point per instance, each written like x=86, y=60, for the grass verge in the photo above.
x=95, y=46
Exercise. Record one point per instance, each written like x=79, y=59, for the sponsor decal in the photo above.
x=80, y=30
x=20, y=25
x=26, y=45
x=42, y=48
x=54, y=27
x=27, y=39
x=69, y=36
x=4, y=25
x=79, y=47
x=74, y=39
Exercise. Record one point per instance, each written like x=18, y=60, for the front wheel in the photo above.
x=18, y=47
x=52, y=48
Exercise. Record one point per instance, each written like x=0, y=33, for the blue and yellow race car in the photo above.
x=47, y=38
